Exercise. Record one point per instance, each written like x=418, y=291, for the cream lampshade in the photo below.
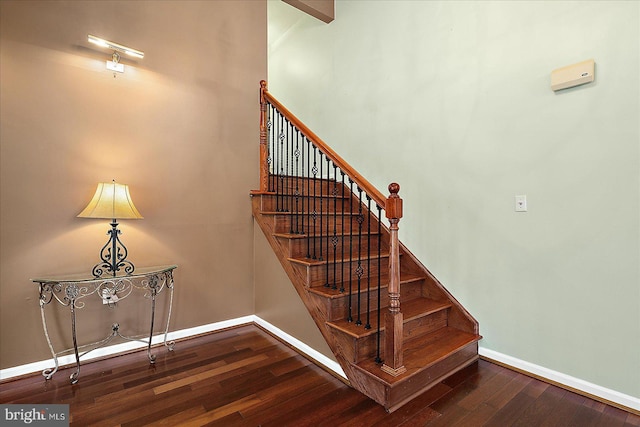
x=112, y=201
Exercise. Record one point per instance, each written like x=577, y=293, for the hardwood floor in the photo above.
x=246, y=377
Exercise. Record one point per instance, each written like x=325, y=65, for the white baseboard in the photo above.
x=302, y=347
x=606, y=394
x=30, y=368
x=564, y=380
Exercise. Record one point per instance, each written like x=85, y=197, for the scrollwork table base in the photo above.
x=71, y=291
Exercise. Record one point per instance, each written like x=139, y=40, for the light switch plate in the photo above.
x=521, y=203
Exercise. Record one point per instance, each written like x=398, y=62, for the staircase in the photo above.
x=394, y=329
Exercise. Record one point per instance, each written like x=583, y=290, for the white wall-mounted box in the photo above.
x=573, y=75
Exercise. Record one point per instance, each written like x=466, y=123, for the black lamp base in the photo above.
x=113, y=255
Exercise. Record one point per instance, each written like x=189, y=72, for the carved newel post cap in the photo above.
x=393, y=206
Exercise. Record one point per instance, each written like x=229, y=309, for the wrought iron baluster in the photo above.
x=368, y=323
x=314, y=214
x=287, y=175
x=279, y=186
x=301, y=180
x=359, y=269
x=378, y=358
x=321, y=213
x=270, y=145
x=328, y=184
x=342, y=234
x=276, y=156
x=296, y=153
x=350, y=318
x=335, y=239
x=309, y=197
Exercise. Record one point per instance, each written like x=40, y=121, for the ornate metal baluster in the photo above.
x=286, y=193
x=290, y=177
x=309, y=197
x=328, y=184
x=279, y=207
x=269, y=147
x=342, y=234
x=350, y=262
x=359, y=269
x=335, y=239
x=301, y=181
x=378, y=358
x=321, y=213
x=368, y=323
x=296, y=177
x=314, y=213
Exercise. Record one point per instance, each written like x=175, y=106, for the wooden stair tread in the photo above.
x=311, y=262
x=307, y=195
x=294, y=236
x=423, y=352
x=411, y=309
x=325, y=213
x=327, y=292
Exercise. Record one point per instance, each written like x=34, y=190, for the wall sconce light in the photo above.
x=114, y=64
x=112, y=201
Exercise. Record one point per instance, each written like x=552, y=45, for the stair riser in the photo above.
x=291, y=185
x=338, y=308
x=359, y=349
x=431, y=376
x=304, y=187
x=291, y=203
x=346, y=246
x=323, y=224
x=316, y=275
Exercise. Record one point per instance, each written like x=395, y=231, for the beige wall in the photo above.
x=179, y=127
x=277, y=301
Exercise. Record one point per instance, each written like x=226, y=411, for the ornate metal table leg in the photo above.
x=169, y=277
x=71, y=294
x=44, y=300
x=153, y=283
x=74, y=376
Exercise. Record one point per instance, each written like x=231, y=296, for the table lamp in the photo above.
x=112, y=201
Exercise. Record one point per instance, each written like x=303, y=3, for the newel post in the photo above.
x=393, y=363
x=264, y=151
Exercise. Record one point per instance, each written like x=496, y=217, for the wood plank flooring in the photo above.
x=246, y=377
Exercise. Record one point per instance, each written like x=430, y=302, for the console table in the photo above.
x=70, y=291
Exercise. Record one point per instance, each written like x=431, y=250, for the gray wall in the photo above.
x=452, y=100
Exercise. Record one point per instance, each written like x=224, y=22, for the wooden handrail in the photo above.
x=355, y=176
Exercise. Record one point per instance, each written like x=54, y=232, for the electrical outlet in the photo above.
x=521, y=203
